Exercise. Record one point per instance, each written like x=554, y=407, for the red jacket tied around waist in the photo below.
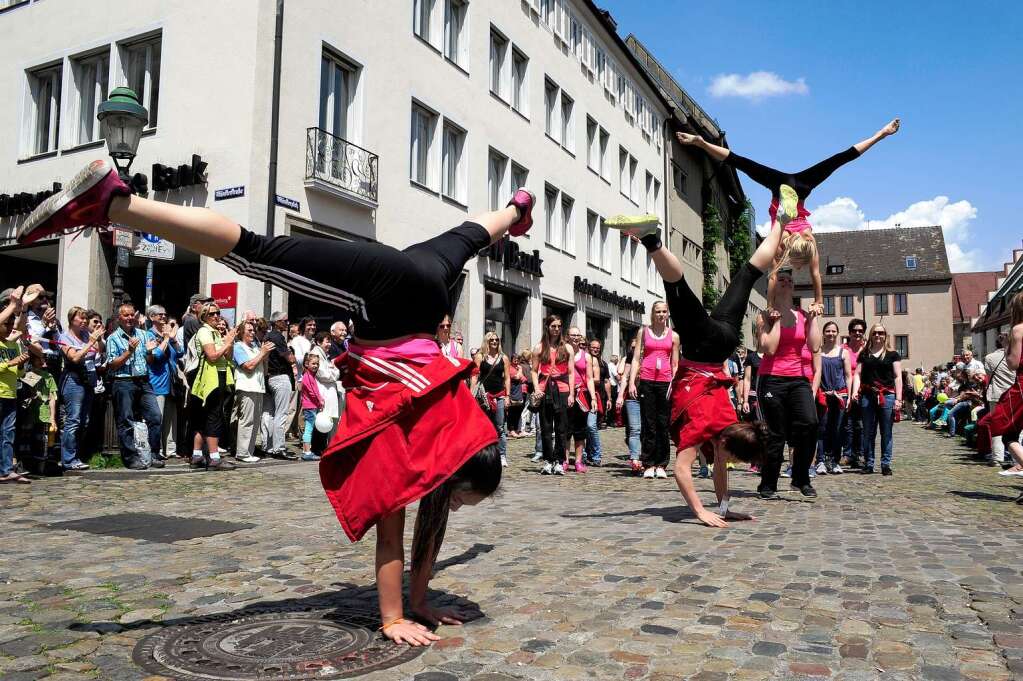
x=409, y=423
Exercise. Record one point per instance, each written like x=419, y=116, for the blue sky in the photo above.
x=840, y=70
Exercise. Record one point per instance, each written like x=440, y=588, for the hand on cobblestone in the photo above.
x=435, y=616
x=412, y=633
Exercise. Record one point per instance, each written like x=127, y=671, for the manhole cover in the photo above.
x=318, y=644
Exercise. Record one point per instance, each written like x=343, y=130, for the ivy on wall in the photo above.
x=740, y=244
x=712, y=232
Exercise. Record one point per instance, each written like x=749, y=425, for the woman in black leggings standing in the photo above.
x=397, y=442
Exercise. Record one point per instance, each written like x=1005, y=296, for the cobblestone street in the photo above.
x=599, y=575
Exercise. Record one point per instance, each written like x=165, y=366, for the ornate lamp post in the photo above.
x=122, y=119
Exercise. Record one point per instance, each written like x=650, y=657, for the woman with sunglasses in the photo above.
x=494, y=372
x=212, y=387
x=449, y=347
x=553, y=393
x=411, y=430
x=878, y=387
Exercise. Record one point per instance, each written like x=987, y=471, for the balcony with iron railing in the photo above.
x=338, y=167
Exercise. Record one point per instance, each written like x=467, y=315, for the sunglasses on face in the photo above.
x=859, y=330
x=880, y=333
x=445, y=326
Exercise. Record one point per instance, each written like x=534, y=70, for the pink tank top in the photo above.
x=580, y=370
x=788, y=359
x=797, y=224
x=656, y=364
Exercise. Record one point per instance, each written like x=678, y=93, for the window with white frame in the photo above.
x=567, y=223
x=498, y=59
x=422, y=18
x=605, y=139
x=424, y=125
x=520, y=84
x=90, y=77
x=338, y=80
x=497, y=168
x=547, y=12
x=651, y=274
x=519, y=177
x=576, y=36
x=656, y=207
x=633, y=185
x=592, y=238
x=605, y=246
x=42, y=129
x=626, y=263
x=592, y=153
x=648, y=193
x=567, y=122
x=634, y=259
x=140, y=70
x=552, y=213
x=552, y=124
x=453, y=168
x=455, y=40
x=678, y=178
x=623, y=172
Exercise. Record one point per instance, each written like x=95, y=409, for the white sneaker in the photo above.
x=548, y=469
x=504, y=461
x=559, y=469
x=787, y=473
x=537, y=457
x=249, y=459
x=836, y=470
x=661, y=473
x=1011, y=472
x=822, y=469
x=650, y=473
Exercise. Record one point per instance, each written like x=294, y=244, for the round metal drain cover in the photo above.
x=287, y=645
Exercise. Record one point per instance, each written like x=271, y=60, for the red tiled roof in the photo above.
x=969, y=291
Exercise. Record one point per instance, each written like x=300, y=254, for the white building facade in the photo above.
x=397, y=120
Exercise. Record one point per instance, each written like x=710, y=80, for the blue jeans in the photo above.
x=852, y=443
x=962, y=412
x=77, y=396
x=875, y=416
x=8, y=416
x=497, y=418
x=633, y=428
x=832, y=429
x=135, y=397
x=593, y=449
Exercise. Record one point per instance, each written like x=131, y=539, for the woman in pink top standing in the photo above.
x=655, y=362
x=584, y=367
x=787, y=337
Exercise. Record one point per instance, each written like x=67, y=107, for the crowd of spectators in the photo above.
x=193, y=388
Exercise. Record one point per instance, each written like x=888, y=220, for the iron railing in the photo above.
x=341, y=164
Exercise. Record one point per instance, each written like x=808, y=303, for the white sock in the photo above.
x=214, y=456
x=196, y=453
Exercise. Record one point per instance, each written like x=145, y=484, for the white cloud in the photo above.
x=756, y=85
x=844, y=214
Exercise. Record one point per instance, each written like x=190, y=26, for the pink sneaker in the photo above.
x=524, y=201
x=84, y=202
x=580, y=467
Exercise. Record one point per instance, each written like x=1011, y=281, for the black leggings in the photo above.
x=787, y=405
x=710, y=337
x=553, y=415
x=655, y=414
x=804, y=182
x=389, y=293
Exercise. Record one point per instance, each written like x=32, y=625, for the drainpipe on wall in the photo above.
x=668, y=179
x=275, y=116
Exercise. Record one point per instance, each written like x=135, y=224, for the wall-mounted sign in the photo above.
x=22, y=203
x=508, y=252
x=600, y=293
x=228, y=193
x=166, y=178
x=152, y=246
x=285, y=202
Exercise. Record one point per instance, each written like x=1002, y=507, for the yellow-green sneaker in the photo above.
x=637, y=225
x=788, y=207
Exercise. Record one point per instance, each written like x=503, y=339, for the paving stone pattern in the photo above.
x=594, y=576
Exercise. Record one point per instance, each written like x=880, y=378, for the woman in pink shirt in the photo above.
x=312, y=403
x=584, y=367
x=654, y=363
x=787, y=337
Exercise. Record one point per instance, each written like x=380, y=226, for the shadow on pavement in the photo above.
x=987, y=496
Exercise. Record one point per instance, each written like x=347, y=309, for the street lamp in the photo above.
x=121, y=120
